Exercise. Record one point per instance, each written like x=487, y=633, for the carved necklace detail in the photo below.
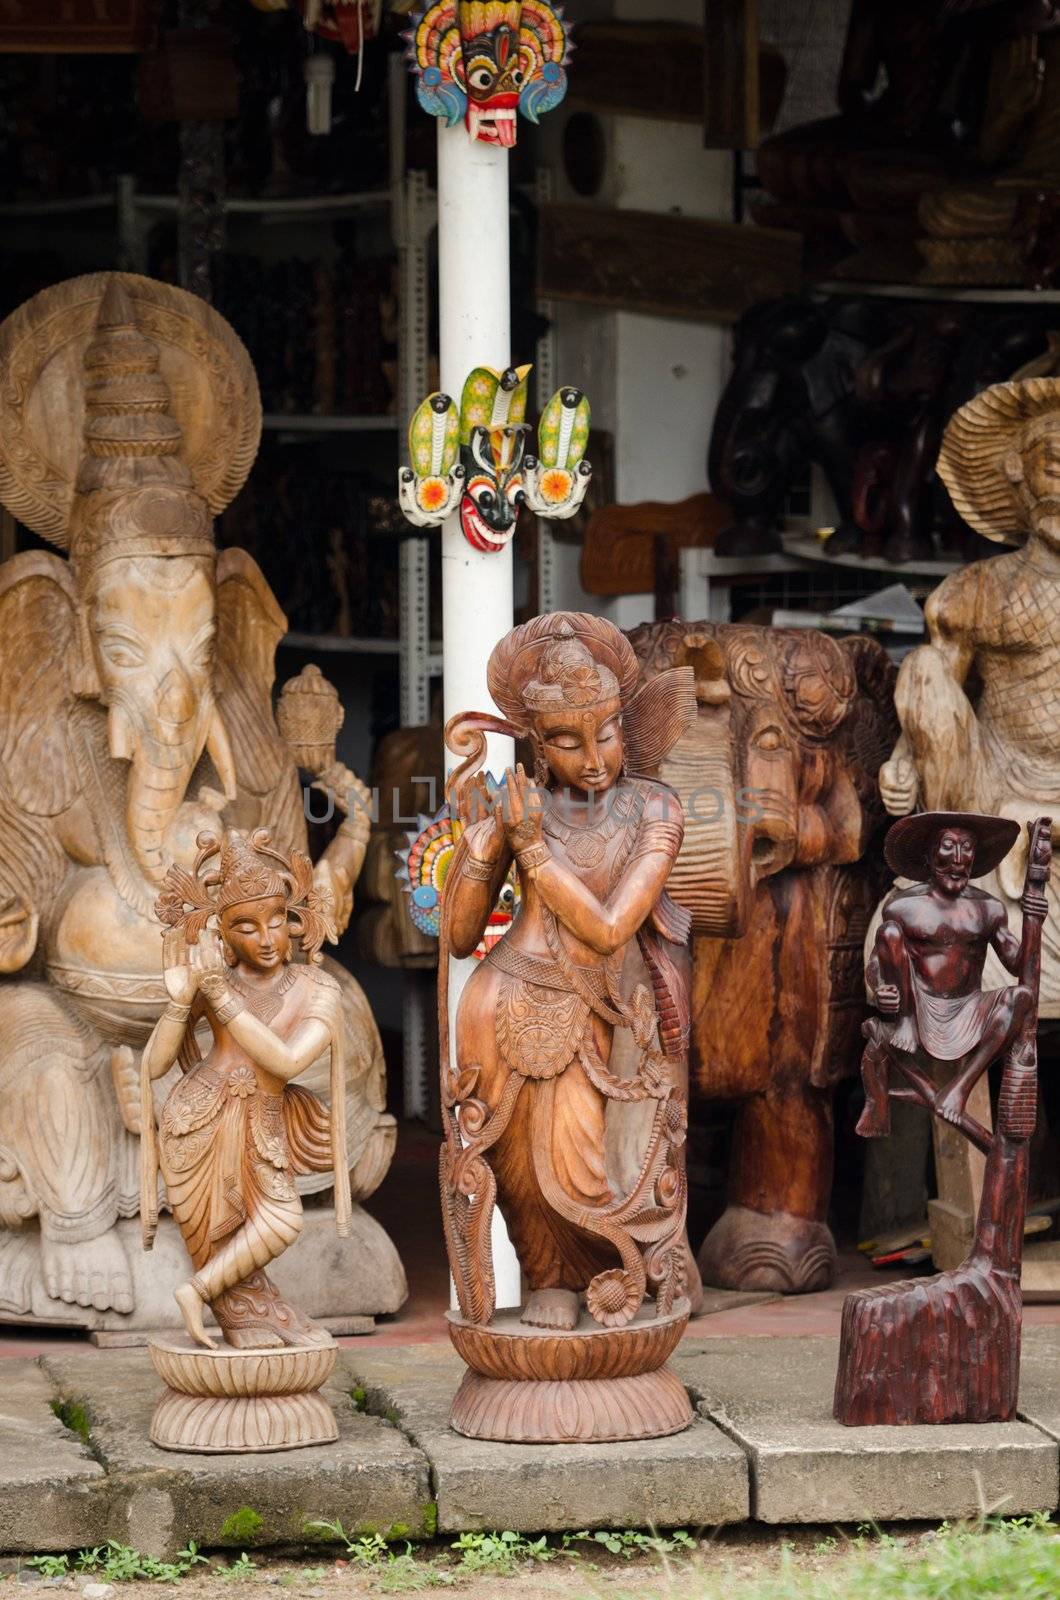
x=266, y=1004
x=587, y=845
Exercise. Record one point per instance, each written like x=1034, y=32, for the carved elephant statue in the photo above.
x=778, y=781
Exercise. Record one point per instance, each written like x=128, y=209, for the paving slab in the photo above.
x=49, y=1481
x=371, y=1478
x=774, y=1397
x=1039, y=1401
x=693, y=1479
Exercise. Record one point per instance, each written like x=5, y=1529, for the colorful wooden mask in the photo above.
x=484, y=60
x=424, y=867
x=476, y=458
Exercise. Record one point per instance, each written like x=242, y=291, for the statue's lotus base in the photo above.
x=228, y=1401
x=592, y=1385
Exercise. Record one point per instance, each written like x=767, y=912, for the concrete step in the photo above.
x=764, y=1446
x=774, y=1397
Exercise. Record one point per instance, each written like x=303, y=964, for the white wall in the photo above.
x=653, y=382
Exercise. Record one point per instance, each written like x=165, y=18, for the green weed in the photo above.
x=239, y=1570
x=499, y=1553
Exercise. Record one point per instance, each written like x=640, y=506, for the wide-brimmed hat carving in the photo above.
x=972, y=460
x=909, y=842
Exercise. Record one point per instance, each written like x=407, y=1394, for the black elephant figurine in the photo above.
x=791, y=400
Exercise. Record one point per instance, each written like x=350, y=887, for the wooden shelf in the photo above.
x=970, y=293
x=75, y=206
x=803, y=547
x=321, y=207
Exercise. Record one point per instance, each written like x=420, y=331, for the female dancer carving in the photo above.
x=597, y=947
x=235, y=1130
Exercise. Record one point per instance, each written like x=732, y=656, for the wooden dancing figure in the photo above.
x=236, y=1131
x=597, y=950
x=946, y=1349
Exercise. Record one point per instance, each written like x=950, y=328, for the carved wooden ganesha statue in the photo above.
x=578, y=1013
x=777, y=776
x=136, y=674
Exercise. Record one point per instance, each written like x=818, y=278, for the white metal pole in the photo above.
x=474, y=288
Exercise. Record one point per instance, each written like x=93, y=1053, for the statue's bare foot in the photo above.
x=552, y=1308
x=950, y=1102
x=93, y=1273
x=190, y=1304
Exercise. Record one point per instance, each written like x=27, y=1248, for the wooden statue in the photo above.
x=579, y=1012
x=778, y=779
x=980, y=703
x=485, y=63
x=235, y=1131
x=791, y=400
x=136, y=674
x=947, y=1349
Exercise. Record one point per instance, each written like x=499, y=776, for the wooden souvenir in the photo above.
x=475, y=458
x=889, y=175
x=485, y=63
x=621, y=543
x=136, y=674
x=979, y=703
x=235, y=1130
x=641, y=69
x=731, y=81
x=576, y=1017
x=777, y=777
x=947, y=1349
x=792, y=400
x=660, y=264
x=81, y=26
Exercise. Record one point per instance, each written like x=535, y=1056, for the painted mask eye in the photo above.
x=516, y=492
x=517, y=77
x=483, y=493
x=480, y=78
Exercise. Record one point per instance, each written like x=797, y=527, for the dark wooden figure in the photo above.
x=946, y=1349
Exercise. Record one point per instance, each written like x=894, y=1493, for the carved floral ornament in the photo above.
x=809, y=677
x=475, y=458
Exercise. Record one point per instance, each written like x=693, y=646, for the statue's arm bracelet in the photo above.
x=227, y=1009
x=175, y=1012
x=534, y=856
x=479, y=871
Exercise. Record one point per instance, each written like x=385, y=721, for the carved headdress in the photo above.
x=972, y=460
x=570, y=658
x=129, y=416
x=248, y=868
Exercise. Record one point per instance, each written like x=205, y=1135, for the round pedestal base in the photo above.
x=590, y=1386
x=235, y=1401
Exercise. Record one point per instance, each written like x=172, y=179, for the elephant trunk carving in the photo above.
x=163, y=753
x=712, y=876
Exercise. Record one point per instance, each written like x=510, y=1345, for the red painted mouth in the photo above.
x=478, y=532
x=495, y=121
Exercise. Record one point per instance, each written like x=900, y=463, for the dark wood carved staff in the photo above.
x=947, y=1349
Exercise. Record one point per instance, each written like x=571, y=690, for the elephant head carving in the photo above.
x=121, y=646
x=779, y=769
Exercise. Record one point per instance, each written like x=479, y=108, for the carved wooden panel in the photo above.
x=663, y=265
